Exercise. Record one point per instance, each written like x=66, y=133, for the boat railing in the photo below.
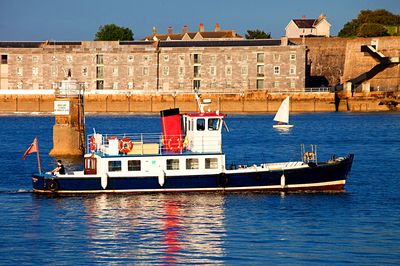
x=149, y=144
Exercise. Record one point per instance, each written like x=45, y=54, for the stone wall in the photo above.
x=254, y=102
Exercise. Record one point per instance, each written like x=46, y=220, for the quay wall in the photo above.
x=255, y=102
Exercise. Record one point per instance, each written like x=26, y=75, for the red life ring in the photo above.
x=125, y=145
x=92, y=144
x=174, y=144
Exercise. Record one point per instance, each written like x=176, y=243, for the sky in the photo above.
x=79, y=20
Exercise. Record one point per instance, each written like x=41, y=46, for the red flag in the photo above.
x=33, y=148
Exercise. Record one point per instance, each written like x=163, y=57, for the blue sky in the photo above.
x=40, y=20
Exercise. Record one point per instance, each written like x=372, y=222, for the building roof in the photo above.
x=216, y=34
x=304, y=23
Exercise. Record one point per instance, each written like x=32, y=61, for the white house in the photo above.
x=308, y=27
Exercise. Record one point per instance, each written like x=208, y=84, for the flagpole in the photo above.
x=38, y=155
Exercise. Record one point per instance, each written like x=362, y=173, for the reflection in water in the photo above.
x=156, y=228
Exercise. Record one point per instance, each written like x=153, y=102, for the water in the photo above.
x=360, y=226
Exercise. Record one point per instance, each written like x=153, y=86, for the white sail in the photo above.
x=283, y=112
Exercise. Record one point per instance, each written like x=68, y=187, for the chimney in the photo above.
x=201, y=27
x=154, y=31
x=185, y=29
x=169, y=29
x=303, y=17
x=217, y=27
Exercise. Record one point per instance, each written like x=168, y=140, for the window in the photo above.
x=134, y=165
x=277, y=57
x=260, y=84
x=197, y=58
x=145, y=71
x=131, y=58
x=99, y=72
x=172, y=164
x=181, y=59
x=292, y=84
x=292, y=56
x=130, y=71
x=19, y=58
x=115, y=71
x=69, y=58
x=115, y=86
x=275, y=84
x=260, y=71
x=211, y=163
x=213, y=58
x=166, y=58
x=165, y=70
x=213, y=123
x=277, y=70
x=244, y=70
x=213, y=70
x=84, y=71
x=228, y=70
x=130, y=85
x=114, y=166
x=35, y=71
x=4, y=59
x=20, y=71
x=20, y=85
x=292, y=70
x=145, y=58
x=196, y=84
x=244, y=57
x=228, y=57
x=260, y=57
x=192, y=164
x=201, y=124
x=99, y=84
x=181, y=71
x=197, y=71
x=35, y=59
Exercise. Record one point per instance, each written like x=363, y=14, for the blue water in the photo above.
x=360, y=226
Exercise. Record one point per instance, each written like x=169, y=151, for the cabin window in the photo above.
x=213, y=124
x=172, y=164
x=114, y=166
x=201, y=124
x=134, y=165
x=211, y=163
x=192, y=163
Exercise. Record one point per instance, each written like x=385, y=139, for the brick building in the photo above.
x=163, y=66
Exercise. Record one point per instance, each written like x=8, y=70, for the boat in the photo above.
x=282, y=115
x=187, y=156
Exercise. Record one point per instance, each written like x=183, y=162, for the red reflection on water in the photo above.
x=171, y=231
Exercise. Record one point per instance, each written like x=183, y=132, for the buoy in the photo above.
x=283, y=181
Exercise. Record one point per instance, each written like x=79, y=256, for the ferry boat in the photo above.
x=187, y=157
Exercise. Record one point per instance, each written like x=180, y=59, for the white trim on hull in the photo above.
x=221, y=189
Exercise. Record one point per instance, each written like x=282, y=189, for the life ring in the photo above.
x=92, y=144
x=53, y=185
x=125, y=145
x=174, y=144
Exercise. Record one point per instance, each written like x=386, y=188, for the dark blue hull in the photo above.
x=324, y=176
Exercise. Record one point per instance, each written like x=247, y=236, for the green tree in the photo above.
x=257, y=34
x=366, y=24
x=112, y=32
x=372, y=30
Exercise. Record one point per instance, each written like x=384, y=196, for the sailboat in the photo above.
x=282, y=116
